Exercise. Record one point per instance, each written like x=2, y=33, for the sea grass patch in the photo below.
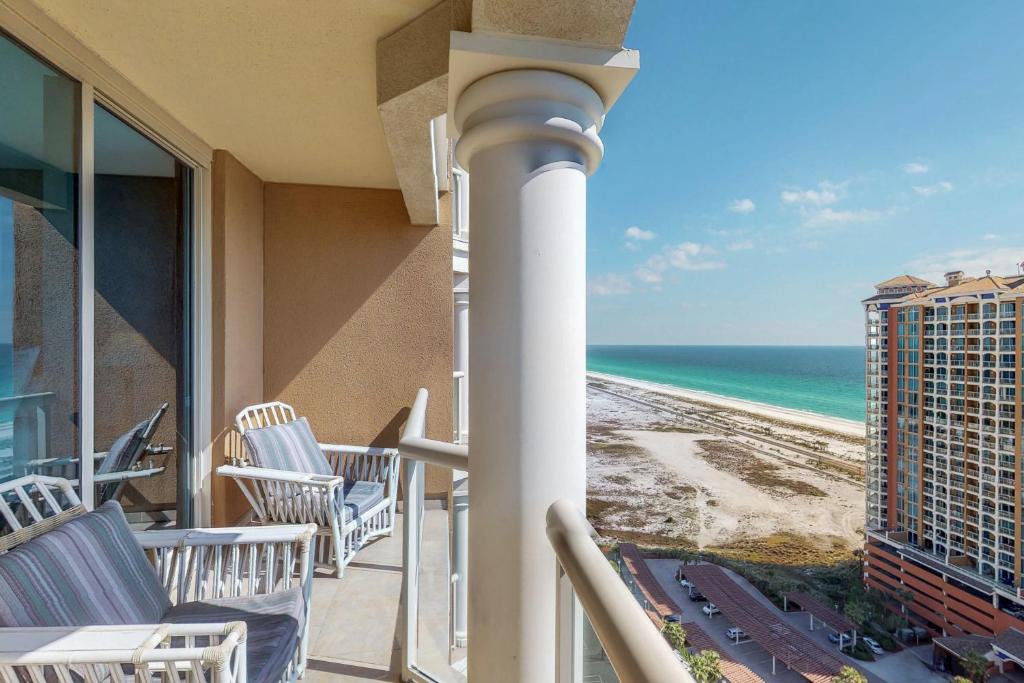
x=754, y=470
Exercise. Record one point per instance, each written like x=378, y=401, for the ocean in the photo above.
x=828, y=380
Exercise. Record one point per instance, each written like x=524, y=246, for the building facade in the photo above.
x=943, y=498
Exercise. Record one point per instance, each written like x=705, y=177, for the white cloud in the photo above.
x=973, y=261
x=831, y=217
x=648, y=275
x=938, y=188
x=693, y=256
x=741, y=245
x=635, y=233
x=611, y=284
x=742, y=206
x=683, y=256
x=990, y=236
x=915, y=168
x=827, y=193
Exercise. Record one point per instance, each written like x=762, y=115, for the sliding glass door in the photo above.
x=39, y=268
x=141, y=352
x=95, y=297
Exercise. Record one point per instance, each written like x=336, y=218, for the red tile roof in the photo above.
x=734, y=671
x=821, y=611
x=779, y=638
x=657, y=596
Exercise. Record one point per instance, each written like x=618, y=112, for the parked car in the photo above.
x=673, y=618
x=697, y=596
x=873, y=645
x=836, y=637
x=684, y=583
x=736, y=633
x=710, y=609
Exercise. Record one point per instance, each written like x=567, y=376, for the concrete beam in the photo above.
x=413, y=64
x=412, y=90
x=584, y=22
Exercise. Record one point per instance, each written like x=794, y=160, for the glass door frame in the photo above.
x=100, y=84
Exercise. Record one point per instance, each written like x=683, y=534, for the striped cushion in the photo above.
x=274, y=622
x=360, y=496
x=88, y=571
x=290, y=446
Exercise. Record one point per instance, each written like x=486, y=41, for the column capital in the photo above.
x=461, y=297
x=530, y=105
x=504, y=89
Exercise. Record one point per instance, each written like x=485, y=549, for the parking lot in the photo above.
x=889, y=668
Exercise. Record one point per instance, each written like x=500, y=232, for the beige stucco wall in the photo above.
x=357, y=313
x=237, y=334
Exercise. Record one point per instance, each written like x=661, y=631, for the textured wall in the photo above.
x=237, y=334
x=357, y=313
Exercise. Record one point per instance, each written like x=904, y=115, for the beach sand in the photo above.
x=659, y=477
x=801, y=418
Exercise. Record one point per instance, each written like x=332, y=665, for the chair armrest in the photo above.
x=364, y=463
x=103, y=651
x=60, y=462
x=126, y=475
x=200, y=564
x=264, y=474
x=345, y=448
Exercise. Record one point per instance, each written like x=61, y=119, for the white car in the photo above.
x=710, y=609
x=873, y=645
x=735, y=633
x=684, y=583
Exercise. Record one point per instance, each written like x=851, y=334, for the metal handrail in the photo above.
x=637, y=652
x=414, y=446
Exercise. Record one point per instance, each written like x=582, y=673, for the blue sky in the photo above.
x=772, y=161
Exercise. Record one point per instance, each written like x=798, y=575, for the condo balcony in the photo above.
x=218, y=214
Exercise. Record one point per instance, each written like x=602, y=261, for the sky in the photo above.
x=772, y=161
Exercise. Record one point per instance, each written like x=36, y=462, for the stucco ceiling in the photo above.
x=288, y=87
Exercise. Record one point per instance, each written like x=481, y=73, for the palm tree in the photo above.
x=676, y=636
x=975, y=666
x=849, y=675
x=706, y=667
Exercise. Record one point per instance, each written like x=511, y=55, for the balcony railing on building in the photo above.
x=596, y=610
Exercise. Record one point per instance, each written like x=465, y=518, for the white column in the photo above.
x=529, y=140
x=461, y=359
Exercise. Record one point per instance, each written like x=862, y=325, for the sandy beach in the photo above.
x=799, y=417
x=670, y=467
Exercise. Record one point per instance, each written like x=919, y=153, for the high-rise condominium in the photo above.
x=943, y=470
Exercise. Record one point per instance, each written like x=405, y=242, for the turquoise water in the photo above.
x=822, y=379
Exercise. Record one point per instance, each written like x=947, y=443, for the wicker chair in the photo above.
x=226, y=605
x=349, y=492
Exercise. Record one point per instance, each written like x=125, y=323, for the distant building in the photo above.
x=943, y=471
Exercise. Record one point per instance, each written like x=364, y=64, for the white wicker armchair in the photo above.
x=344, y=524
x=216, y=566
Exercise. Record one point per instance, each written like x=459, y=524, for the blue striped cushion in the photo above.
x=290, y=446
x=360, y=496
x=274, y=623
x=88, y=571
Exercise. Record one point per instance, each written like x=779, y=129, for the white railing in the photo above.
x=459, y=427
x=418, y=451
x=635, y=649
